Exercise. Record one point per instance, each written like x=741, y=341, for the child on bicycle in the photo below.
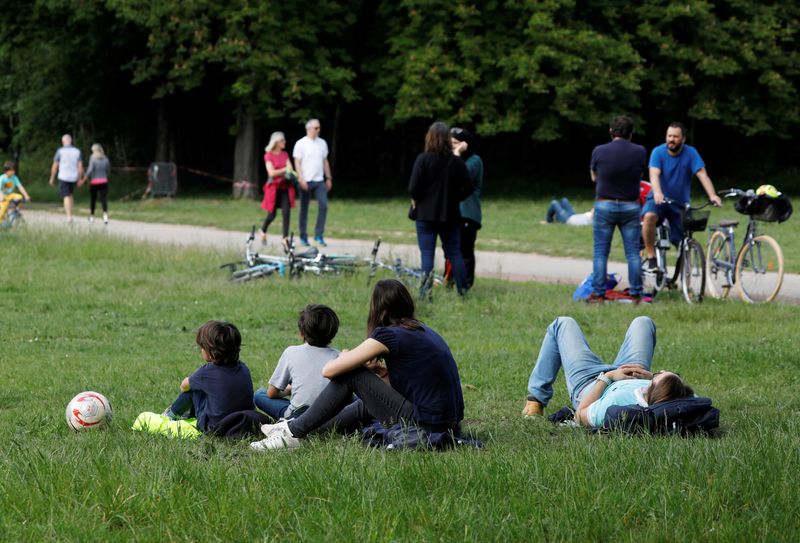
x=299, y=371
x=9, y=184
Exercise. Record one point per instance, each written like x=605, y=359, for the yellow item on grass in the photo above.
x=153, y=423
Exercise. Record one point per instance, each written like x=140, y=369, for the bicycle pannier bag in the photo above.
x=765, y=208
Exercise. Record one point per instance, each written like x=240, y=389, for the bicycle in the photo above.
x=690, y=267
x=756, y=269
x=13, y=216
x=257, y=265
x=401, y=271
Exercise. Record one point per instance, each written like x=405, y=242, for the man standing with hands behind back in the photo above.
x=617, y=168
x=314, y=178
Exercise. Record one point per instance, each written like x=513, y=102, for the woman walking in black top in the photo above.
x=439, y=181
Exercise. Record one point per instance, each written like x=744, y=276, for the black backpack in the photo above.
x=684, y=416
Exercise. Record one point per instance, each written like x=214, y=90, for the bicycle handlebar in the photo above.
x=687, y=206
x=730, y=193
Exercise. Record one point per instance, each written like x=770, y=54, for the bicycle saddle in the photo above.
x=728, y=223
x=311, y=252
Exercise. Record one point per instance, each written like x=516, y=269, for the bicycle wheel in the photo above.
x=759, y=270
x=693, y=272
x=719, y=253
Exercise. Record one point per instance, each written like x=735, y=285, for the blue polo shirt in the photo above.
x=422, y=369
x=676, y=171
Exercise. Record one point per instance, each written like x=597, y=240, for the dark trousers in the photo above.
x=282, y=201
x=185, y=405
x=333, y=407
x=450, y=234
x=469, y=233
x=317, y=191
x=102, y=192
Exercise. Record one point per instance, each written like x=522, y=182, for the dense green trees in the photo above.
x=547, y=68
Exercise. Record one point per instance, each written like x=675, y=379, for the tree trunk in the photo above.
x=245, y=154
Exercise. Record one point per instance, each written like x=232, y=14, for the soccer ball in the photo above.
x=88, y=410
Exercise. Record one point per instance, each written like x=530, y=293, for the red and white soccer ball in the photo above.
x=88, y=410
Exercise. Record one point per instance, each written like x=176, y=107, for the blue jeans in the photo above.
x=565, y=346
x=274, y=407
x=560, y=210
x=450, y=234
x=607, y=215
x=318, y=191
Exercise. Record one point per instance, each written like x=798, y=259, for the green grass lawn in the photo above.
x=510, y=224
x=89, y=312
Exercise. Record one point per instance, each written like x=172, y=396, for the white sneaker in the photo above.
x=279, y=438
x=91, y=218
x=269, y=429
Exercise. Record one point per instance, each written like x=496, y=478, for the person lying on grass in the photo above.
x=299, y=370
x=425, y=389
x=594, y=386
x=220, y=387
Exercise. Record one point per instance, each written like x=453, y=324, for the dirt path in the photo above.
x=504, y=265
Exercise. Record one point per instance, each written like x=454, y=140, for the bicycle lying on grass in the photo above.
x=410, y=276
x=293, y=264
x=757, y=268
x=690, y=270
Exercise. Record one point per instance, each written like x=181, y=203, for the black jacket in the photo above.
x=438, y=184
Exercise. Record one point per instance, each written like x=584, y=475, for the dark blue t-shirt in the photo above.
x=220, y=391
x=620, y=165
x=422, y=370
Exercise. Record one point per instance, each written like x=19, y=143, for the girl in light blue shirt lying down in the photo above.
x=593, y=385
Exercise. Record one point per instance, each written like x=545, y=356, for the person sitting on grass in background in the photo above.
x=594, y=386
x=9, y=185
x=221, y=386
x=561, y=211
x=299, y=370
x=424, y=390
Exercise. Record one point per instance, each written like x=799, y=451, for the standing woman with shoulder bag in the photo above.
x=439, y=182
x=278, y=190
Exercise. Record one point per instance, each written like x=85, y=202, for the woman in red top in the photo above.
x=277, y=190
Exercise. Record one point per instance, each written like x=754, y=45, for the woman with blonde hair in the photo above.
x=278, y=191
x=97, y=174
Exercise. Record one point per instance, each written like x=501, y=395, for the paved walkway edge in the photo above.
x=504, y=265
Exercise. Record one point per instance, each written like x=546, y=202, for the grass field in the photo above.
x=93, y=313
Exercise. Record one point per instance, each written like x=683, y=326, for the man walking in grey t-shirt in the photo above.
x=69, y=167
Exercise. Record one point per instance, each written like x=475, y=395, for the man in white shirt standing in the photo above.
x=69, y=167
x=314, y=178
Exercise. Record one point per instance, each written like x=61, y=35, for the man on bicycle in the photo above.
x=672, y=165
x=9, y=185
